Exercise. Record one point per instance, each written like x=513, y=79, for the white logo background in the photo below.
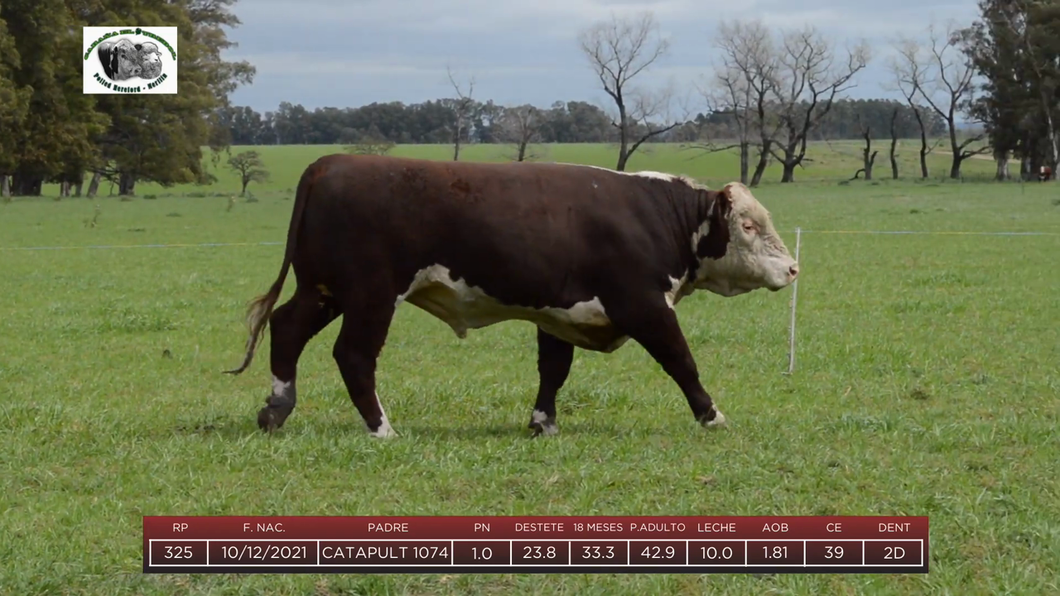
x=113, y=64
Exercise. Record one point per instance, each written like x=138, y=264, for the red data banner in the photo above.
x=578, y=544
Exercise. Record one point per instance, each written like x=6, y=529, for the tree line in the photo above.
x=52, y=132
x=431, y=122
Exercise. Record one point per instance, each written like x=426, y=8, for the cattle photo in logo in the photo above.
x=592, y=257
x=122, y=60
x=130, y=60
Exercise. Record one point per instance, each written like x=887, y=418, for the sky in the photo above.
x=347, y=53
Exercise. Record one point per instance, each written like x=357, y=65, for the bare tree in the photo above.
x=369, y=145
x=520, y=126
x=894, y=144
x=910, y=72
x=742, y=81
x=462, y=108
x=948, y=88
x=807, y=82
x=723, y=96
x=868, y=156
x=618, y=50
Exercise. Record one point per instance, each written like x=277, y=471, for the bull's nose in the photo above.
x=793, y=271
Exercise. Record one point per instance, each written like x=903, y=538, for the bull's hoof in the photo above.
x=270, y=419
x=542, y=424
x=717, y=422
x=385, y=431
x=544, y=429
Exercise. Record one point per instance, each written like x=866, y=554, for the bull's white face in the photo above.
x=755, y=256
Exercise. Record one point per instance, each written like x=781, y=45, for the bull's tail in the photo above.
x=260, y=309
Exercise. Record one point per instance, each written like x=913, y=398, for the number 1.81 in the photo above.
x=778, y=552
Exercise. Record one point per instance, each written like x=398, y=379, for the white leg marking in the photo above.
x=541, y=419
x=719, y=419
x=384, y=430
x=279, y=387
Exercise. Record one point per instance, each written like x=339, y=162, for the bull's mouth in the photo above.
x=775, y=287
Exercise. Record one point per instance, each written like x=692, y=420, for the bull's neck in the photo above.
x=691, y=209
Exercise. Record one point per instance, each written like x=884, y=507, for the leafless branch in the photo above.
x=520, y=126
x=618, y=50
x=462, y=110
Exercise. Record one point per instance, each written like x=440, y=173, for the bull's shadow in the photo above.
x=237, y=426
x=229, y=427
x=440, y=430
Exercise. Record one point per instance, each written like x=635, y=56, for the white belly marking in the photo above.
x=465, y=307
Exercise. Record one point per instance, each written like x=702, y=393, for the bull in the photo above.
x=592, y=257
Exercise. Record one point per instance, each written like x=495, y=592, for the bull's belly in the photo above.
x=463, y=307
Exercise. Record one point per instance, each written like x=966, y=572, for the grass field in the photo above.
x=927, y=383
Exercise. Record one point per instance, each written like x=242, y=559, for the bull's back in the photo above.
x=497, y=211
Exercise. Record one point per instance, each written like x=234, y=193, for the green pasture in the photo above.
x=927, y=383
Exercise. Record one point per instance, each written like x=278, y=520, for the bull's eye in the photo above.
x=749, y=227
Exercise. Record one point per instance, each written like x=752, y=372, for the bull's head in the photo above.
x=738, y=248
x=124, y=58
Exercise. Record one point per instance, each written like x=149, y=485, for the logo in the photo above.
x=130, y=60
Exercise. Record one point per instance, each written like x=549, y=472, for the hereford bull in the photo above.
x=590, y=256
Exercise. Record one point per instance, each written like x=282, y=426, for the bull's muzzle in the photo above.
x=790, y=276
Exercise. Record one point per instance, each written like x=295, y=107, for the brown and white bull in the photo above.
x=590, y=256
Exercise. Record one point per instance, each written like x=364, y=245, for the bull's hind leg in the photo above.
x=364, y=331
x=554, y=357
x=292, y=325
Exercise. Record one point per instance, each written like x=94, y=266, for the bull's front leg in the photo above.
x=654, y=325
x=554, y=357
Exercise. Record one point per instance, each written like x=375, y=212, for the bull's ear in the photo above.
x=719, y=211
x=716, y=242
